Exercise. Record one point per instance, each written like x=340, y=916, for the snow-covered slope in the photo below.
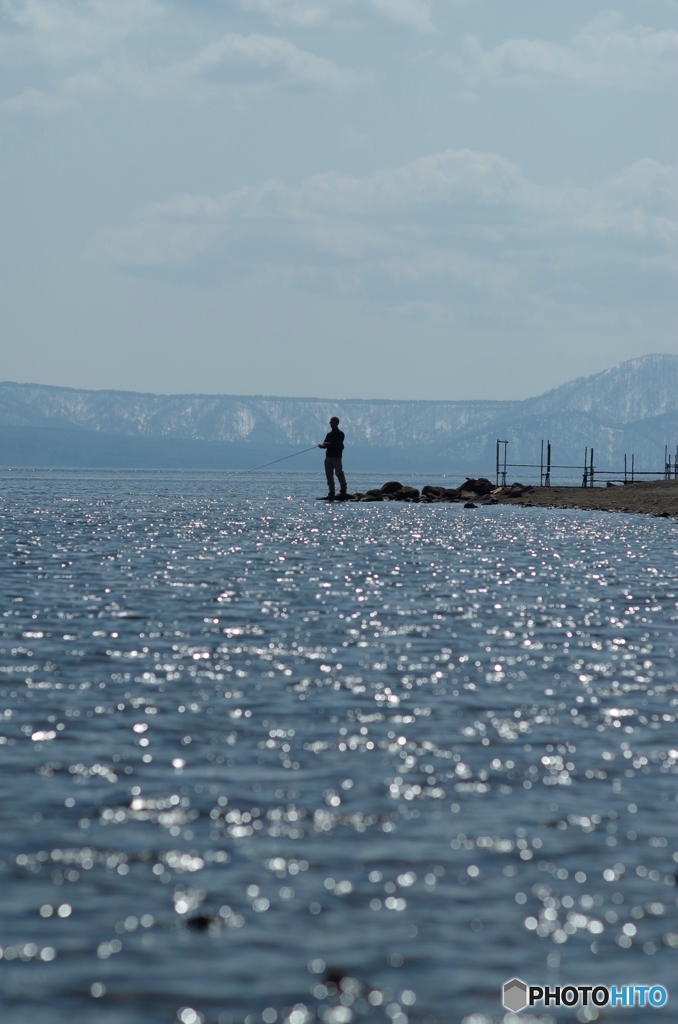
x=630, y=408
x=239, y=418
x=636, y=390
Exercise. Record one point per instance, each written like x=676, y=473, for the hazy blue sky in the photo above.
x=369, y=198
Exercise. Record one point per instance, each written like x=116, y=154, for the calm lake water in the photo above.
x=266, y=759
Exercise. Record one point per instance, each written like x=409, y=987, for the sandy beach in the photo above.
x=656, y=497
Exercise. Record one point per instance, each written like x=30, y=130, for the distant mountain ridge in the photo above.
x=238, y=418
x=635, y=390
x=630, y=408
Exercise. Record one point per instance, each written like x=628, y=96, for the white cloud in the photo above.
x=302, y=13
x=431, y=216
x=604, y=55
x=272, y=53
x=342, y=214
x=57, y=32
x=120, y=76
x=641, y=201
x=194, y=78
x=413, y=14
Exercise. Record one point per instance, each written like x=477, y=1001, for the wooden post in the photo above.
x=541, y=464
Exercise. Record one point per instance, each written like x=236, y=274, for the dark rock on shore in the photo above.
x=478, y=486
x=473, y=489
x=516, y=490
x=406, y=494
x=394, y=490
x=655, y=497
x=340, y=497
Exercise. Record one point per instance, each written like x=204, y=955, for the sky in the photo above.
x=438, y=199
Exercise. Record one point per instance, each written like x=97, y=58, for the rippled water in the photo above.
x=268, y=759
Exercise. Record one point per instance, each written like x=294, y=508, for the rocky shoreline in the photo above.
x=480, y=490
x=655, y=497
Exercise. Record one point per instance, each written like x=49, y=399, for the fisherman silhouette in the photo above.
x=334, y=447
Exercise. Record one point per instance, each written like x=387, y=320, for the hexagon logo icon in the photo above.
x=515, y=995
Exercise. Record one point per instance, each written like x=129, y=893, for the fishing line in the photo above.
x=255, y=468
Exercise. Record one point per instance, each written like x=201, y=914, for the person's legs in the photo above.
x=329, y=473
x=339, y=470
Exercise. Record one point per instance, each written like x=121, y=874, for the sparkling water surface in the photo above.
x=267, y=759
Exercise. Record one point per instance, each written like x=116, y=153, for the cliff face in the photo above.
x=630, y=408
x=235, y=418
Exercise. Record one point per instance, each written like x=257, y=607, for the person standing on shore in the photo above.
x=334, y=449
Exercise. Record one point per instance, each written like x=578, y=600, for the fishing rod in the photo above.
x=255, y=468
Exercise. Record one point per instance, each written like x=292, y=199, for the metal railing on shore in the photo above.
x=590, y=473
